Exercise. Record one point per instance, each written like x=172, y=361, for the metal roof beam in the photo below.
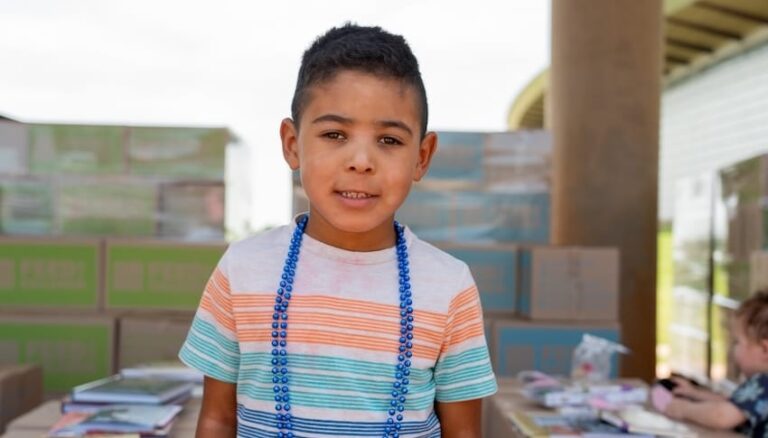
x=732, y=12
x=690, y=46
x=704, y=28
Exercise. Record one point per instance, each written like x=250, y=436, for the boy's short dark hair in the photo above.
x=365, y=49
x=753, y=315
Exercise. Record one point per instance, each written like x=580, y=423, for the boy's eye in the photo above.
x=333, y=135
x=390, y=141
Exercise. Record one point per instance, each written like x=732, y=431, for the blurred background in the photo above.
x=601, y=168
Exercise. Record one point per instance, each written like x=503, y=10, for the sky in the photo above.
x=234, y=64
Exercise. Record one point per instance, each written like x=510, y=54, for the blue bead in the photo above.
x=395, y=435
x=402, y=339
x=408, y=354
x=276, y=388
x=392, y=411
x=274, y=334
x=274, y=361
x=275, y=370
x=409, y=335
x=402, y=305
x=400, y=408
x=277, y=307
x=403, y=322
x=400, y=357
x=404, y=390
x=277, y=398
x=396, y=384
x=287, y=417
x=274, y=343
x=279, y=299
x=409, y=310
x=285, y=316
x=284, y=276
x=393, y=403
x=283, y=361
x=284, y=325
x=287, y=295
x=399, y=376
x=289, y=288
x=283, y=370
x=410, y=318
x=399, y=417
x=398, y=426
x=403, y=331
x=409, y=344
x=283, y=343
x=390, y=420
x=275, y=352
x=401, y=348
x=284, y=379
x=283, y=352
x=407, y=363
x=406, y=381
x=280, y=435
x=409, y=301
x=395, y=394
x=278, y=407
x=283, y=284
x=387, y=429
x=289, y=434
x=274, y=325
x=409, y=326
x=283, y=333
x=402, y=399
x=286, y=398
x=275, y=316
x=285, y=389
x=275, y=379
x=407, y=372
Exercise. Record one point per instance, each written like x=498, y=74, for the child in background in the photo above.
x=384, y=333
x=747, y=408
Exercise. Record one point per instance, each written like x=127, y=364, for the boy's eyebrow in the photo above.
x=347, y=121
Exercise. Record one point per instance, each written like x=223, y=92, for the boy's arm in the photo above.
x=684, y=388
x=218, y=414
x=721, y=414
x=460, y=419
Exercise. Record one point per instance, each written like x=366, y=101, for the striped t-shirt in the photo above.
x=343, y=336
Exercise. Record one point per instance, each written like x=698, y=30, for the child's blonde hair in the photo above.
x=753, y=316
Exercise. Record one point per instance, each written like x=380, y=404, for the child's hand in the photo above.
x=683, y=388
x=675, y=408
x=661, y=398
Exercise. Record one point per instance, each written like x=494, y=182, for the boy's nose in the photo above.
x=361, y=160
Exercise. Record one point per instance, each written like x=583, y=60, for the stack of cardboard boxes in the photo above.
x=83, y=309
x=486, y=200
x=78, y=180
x=107, y=237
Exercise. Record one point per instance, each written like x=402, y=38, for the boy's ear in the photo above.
x=290, y=139
x=427, y=150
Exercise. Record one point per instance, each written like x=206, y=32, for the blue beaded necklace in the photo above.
x=280, y=377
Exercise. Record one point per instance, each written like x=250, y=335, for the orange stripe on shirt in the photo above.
x=352, y=340
x=332, y=303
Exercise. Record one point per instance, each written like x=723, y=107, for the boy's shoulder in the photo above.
x=273, y=239
x=438, y=260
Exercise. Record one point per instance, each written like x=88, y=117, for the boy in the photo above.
x=384, y=336
x=747, y=408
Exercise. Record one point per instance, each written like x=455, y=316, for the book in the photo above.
x=142, y=420
x=69, y=405
x=553, y=425
x=637, y=419
x=128, y=390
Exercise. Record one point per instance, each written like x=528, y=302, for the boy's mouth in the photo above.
x=355, y=195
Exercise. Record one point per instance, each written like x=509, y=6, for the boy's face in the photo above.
x=750, y=355
x=359, y=149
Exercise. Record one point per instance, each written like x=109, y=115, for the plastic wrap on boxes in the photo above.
x=477, y=216
x=13, y=148
x=76, y=149
x=192, y=211
x=518, y=162
x=178, y=152
x=459, y=157
x=116, y=207
x=26, y=207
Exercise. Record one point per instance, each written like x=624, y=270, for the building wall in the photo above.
x=716, y=117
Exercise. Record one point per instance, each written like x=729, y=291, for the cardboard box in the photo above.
x=76, y=149
x=518, y=345
x=13, y=148
x=569, y=283
x=107, y=207
x=71, y=350
x=21, y=389
x=26, y=206
x=163, y=152
x=158, y=275
x=147, y=340
x=192, y=211
x=37, y=273
x=494, y=268
x=472, y=216
x=460, y=157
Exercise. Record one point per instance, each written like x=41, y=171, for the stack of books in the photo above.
x=137, y=406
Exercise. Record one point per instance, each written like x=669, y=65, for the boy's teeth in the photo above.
x=355, y=195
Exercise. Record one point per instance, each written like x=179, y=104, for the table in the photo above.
x=496, y=423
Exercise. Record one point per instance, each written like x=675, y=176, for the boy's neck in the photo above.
x=378, y=238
